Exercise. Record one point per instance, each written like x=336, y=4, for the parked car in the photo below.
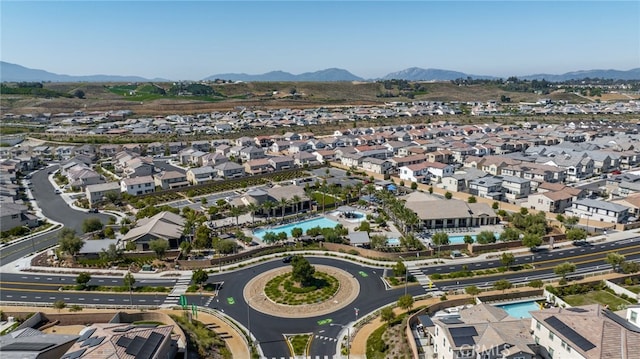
x=287, y=259
x=57, y=191
x=93, y=210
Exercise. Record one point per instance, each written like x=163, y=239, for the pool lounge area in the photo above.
x=519, y=309
x=321, y=222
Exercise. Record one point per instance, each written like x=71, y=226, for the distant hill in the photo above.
x=633, y=74
x=14, y=73
x=419, y=74
x=328, y=75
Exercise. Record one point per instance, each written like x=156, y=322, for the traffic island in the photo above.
x=346, y=291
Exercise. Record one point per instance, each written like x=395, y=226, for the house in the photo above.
x=515, y=188
x=170, y=179
x=552, y=201
x=598, y=211
x=29, y=343
x=280, y=163
x=212, y=159
x=251, y=153
x=108, y=150
x=156, y=148
x=201, y=174
x=459, y=181
x=99, y=192
x=481, y=331
x=377, y=165
x=305, y=158
x=585, y=332
x=203, y=146
x=359, y=239
x=451, y=213
x=139, y=166
x=14, y=215
x=136, y=186
x=164, y=225
x=260, y=166
x=229, y=170
x=487, y=187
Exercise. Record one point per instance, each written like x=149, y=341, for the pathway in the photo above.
x=179, y=289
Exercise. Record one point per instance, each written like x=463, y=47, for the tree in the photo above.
x=414, y=186
x=296, y=232
x=440, y=239
x=472, y=290
x=202, y=237
x=111, y=254
x=199, y=277
x=495, y=205
x=563, y=269
x=507, y=260
x=302, y=271
x=91, y=225
x=69, y=243
x=576, y=234
x=448, y=195
x=468, y=239
x=387, y=314
x=270, y=237
x=485, y=237
x=399, y=269
x=405, y=302
x=571, y=221
x=185, y=249
x=472, y=199
x=226, y=246
x=82, y=279
x=430, y=190
x=524, y=211
x=615, y=259
x=502, y=285
x=129, y=280
x=377, y=241
x=59, y=305
x=536, y=283
x=78, y=93
x=510, y=234
x=159, y=246
x=531, y=240
x=365, y=226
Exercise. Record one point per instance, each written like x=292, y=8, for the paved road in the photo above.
x=54, y=207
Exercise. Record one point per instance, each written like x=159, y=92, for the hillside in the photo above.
x=147, y=99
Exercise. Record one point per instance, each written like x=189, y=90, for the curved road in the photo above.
x=268, y=330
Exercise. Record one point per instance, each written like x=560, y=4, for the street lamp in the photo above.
x=348, y=335
x=406, y=274
x=588, y=216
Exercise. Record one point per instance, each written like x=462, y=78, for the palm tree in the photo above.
x=268, y=206
x=283, y=204
x=235, y=211
x=252, y=208
x=296, y=201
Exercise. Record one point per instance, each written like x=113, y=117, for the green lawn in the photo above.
x=633, y=288
x=597, y=297
x=328, y=199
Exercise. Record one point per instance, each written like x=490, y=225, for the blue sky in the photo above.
x=193, y=40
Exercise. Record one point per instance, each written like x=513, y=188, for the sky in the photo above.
x=183, y=40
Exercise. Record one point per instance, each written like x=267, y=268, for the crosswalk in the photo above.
x=179, y=289
x=422, y=278
x=328, y=339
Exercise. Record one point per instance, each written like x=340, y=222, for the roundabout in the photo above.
x=347, y=289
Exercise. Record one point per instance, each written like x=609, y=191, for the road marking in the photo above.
x=49, y=278
x=95, y=299
x=231, y=301
x=9, y=296
x=38, y=297
x=325, y=321
x=80, y=298
x=363, y=274
x=111, y=299
x=66, y=298
x=52, y=297
x=23, y=296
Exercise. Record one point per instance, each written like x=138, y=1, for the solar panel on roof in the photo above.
x=92, y=342
x=577, y=310
x=86, y=335
x=463, y=335
x=568, y=332
x=150, y=346
x=26, y=347
x=74, y=355
x=122, y=330
x=134, y=347
x=123, y=341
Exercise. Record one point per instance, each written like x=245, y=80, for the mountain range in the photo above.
x=14, y=73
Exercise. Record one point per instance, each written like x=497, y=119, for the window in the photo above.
x=563, y=344
x=634, y=316
x=537, y=339
x=537, y=325
x=551, y=336
x=550, y=352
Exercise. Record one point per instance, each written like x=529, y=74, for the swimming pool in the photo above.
x=321, y=222
x=521, y=309
x=393, y=242
x=460, y=239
